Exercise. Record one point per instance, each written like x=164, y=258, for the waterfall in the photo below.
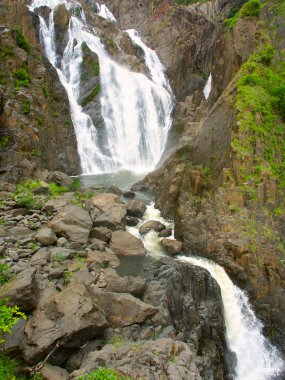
x=257, y=359
x=136, y=108
x=208, y=87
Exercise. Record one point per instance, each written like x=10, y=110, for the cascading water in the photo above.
x=136, y=109
x=257, y=359
x=208, y=87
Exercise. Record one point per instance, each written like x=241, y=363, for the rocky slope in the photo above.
x=167, y=321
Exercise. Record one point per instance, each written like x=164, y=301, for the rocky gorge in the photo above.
x=93, y=295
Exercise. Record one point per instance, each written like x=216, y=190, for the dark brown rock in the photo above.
x=151, y=225
x=136, y=208
x=171, y=246
x=125, y=244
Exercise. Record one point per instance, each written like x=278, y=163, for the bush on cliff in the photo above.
x=103, y=374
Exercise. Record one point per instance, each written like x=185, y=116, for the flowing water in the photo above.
x=257, y=359
x=208, y=87
x=136, y=108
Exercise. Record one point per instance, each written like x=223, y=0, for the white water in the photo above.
x=257, y=359
x=136, y=109
x=208, y=87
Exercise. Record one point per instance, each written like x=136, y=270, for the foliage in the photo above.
x=4, y=142
x=9, y=316
x=24, y=197
x=21, y=41
x=76, y=184
x=103, y=374
x=249, y=9
x=26, y=107
x=22, y=77
x=6, y=51
x=5, y=273
x=67, y=274
x=188, y=2
x=58, y=257
x=80, y=199
x=57, y=190
x=7, y=367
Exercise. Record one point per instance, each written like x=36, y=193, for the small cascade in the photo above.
x=257, y=359
x=136, y=109
x=208, y=87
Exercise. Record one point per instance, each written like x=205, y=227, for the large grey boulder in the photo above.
x=22, y=291
x=45, y=236
x=172, y=246
x=61, y=179
x=125, y=244
x=70, y=316
x=50, y=372
x=109, y=211
x=72, y=222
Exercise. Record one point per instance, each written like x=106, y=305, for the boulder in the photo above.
x=131, y=221
x=102, y=259
x=101, y=233
x=238, y=246
x=171, y=246
x=55, y=204
x=125, y=244
x=50, y=372
x=163, y=358
x=129, y=194
x=70, y=316
x=136, y=208
x=123, y=309
x=72, y=222
x=110, y=281
x=110, y=211
x=41, y=257
x=61, y=179
x=22, y=291
x=151, y=225
x=165, y=233
x=114, y=190
x=45, y=236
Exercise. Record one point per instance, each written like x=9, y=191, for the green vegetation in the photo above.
x=9, y=316
x=24, y=197
x=22, y=77
x=260, y=103
x=249, y=9
x=188, y=2
x=67, y=274
x=5, y=273
x=8, y=370
x=21, y=41
x=58, y=257
x=26, y=107
x=96, y=69
x=103, y=374
x=91, y=96
x=80, y=199
x=57, y=190
x=4, y=142
x=76, y=184
x=6, y=51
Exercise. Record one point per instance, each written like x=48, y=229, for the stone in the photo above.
x=55, y=204
x=114, y=190
x=129, y=194
x=136, y=208
x=45, y=236
x=62, y=253
x=50, y=372
x=70, y=316
x=59, y=178
x=171, y=246
x=102, y=259
x=123, y=309
x=151, y=225
x=125, y=244
x=238, y=246
x=155, y=359
x=101, y=233
x=131, y=221
x=110, y=211
x=61, y=242
x=110, y=281
x=13, y=339
x=22, y=291
x=165, y=233
x=73, y=223
x=41, y=257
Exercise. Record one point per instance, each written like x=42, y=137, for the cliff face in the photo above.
x=36, y=130
x=224, y=184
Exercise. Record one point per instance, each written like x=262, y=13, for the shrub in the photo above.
x=57, y=190
x=103, y=374
x=76, y=184
x=5, y=273
x=251, y=8
x=9, y=316
x=26, y=107
x=21, y=41
x=22, y=77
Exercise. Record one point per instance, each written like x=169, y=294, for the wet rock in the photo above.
x=136, y=208
x=22, y=291
x=73, y=223
x=45, y=236
x=125, y=244
x=129, y=194
x=151, y=225
x=70, y=316
x=110, y=211
x=132, y=221
x=114, y=190
x=165, y=233
x=171, y=246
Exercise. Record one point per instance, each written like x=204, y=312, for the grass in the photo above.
x=58, y=257
x=22, y=77
x=5, y=273
x=103, y=374
x=21, y=40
